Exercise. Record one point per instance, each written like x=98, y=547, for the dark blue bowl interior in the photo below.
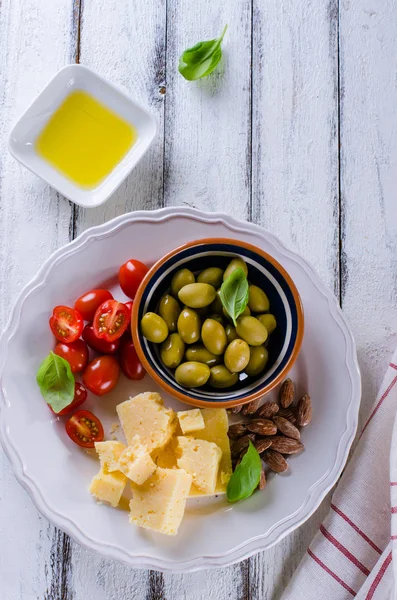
x=261, y=272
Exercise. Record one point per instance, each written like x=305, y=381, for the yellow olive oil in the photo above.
x=85, y=140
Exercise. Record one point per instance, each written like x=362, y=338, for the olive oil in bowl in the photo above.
x=85, y=140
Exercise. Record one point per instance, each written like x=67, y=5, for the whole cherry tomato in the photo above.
x=66, y=324
x=80, y=396
x=101, y=375
x=89, y=302
x=98, y=344
x=111, y=320
x=76, y=353
x=84, y=429
x=131, y=274
x=129, y=361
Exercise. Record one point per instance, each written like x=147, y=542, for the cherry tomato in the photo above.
x=111, y=320
x=129, y=361
x=131, y=274
x=89, y=302
x=101, y=375
x=66, y=324
x=80, y=396
x=84, y=429
x=99, y=344
x=129, y=305
x=75, y=353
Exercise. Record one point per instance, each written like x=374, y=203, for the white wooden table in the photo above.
x=297, y=132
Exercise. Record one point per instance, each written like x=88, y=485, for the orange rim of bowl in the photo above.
x=206, y=403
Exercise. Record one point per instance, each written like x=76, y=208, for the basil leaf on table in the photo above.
x=56, y=382
x=245, y=478
x=234, y=294
x=200, y=60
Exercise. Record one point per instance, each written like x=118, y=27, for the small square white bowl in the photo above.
x=22, y=138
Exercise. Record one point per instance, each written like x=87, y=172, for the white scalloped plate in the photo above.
x=56, y=473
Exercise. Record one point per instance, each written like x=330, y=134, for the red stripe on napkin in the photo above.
x=377, y=407
x=394, y=510
x=357, y=529
x=379, y=577
x=393, y=366
x=393, y=483
x=327, y=570
x=344, y=550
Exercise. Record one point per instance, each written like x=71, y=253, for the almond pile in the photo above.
x=273, y=428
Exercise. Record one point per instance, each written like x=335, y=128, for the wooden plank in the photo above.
x=295, y=179
x=35, y=42
x=368, y=123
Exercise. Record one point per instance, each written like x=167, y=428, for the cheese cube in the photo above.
x=146, y=416
x=190, y=420
x=108, y=487
x=136, y=463
x=159, y=504
x=201, y=459
x=109, y=453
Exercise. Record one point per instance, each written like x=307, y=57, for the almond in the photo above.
x=239, y=445
x=236, y=409
x=287, y=392
x=251, y=407
x=287, y=428
x=286, y=445
x=287, y=413
x=237, y=430
x=262, y=427
x=275, y=461
x=304, y=411
x=267, y=410
x=262, y=481
x=262, y=444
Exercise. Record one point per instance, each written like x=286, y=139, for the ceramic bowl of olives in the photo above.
x=217, y=322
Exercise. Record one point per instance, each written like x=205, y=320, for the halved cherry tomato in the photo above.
x=101, y=375
x=129, y=305
x=80, y=396
x=131, y=274
x=75, y=353
x=129, y=361
x=89, y=302
x=98, y=344
x=111, y=320
x=84, y=429
x=66, y=324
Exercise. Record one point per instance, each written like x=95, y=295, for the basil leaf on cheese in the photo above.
x=245, y=478
x=56, y=382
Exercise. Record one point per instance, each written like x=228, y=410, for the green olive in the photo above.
x=212, y=275
x=213, y=335
x=217, y=306
x=154, y=328
x=189, y=326
x=237, y=356
x=172, y=350
x=246, y=313
x=197, y=295
x=169, y=310
x=269, y=321
x=221, y=377
x=236, y=263
x=258, y=360
x=251, y=330
x=202, y=355
x=180, y=279
x=192, y=374
x=258, y=301
x=216, y=318
x=231, y=333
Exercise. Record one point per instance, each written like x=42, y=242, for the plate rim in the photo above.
x=252, y=545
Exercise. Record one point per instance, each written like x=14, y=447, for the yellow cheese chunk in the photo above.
x=146, y=416
x=136, y=463
x=109, y=453
x=159, y=504
x=108, y=487
x=166, y=458
x=190, y=420
x=201, y=459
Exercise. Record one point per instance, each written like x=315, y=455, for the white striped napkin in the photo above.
x=355, y=552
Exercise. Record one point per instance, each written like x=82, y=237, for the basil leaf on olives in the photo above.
x=234, y=294
x=245, y=478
